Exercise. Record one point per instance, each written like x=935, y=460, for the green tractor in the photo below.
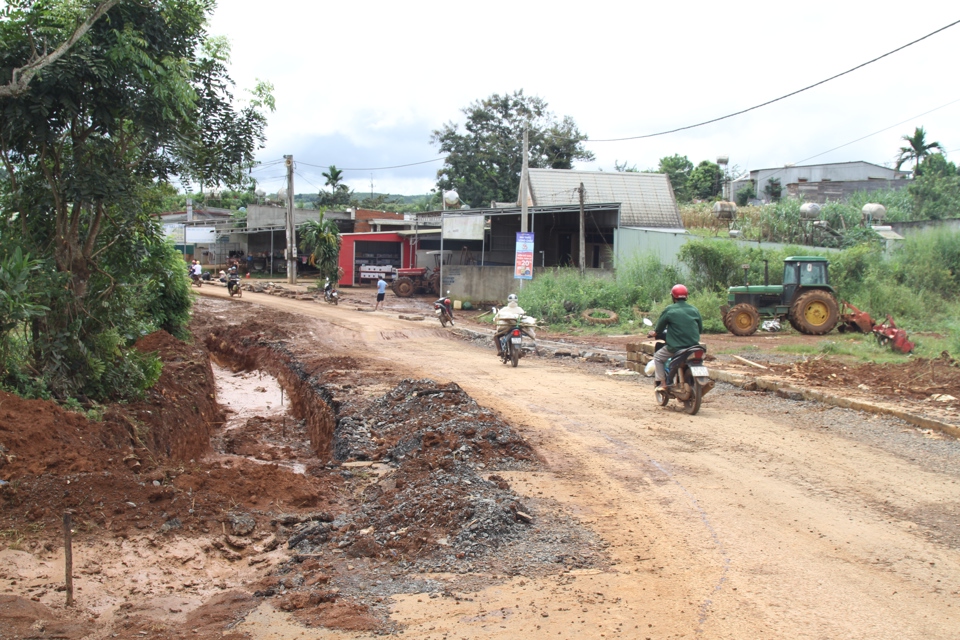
x=805, y=299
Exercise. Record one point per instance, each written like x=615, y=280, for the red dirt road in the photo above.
x=758, y=518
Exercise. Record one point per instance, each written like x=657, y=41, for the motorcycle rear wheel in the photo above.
x=692, y=406
x=443, y=319
x=514, y=354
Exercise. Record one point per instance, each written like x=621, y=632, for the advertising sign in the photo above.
x=463, y=227
x=523, y=269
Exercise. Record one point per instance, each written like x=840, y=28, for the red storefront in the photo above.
x=379, y=252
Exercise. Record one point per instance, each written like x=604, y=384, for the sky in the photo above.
x=362, y=85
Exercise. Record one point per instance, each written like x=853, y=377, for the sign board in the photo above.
x=175, y=233
x=523, y=265
x=201, y=235
x=463, y=227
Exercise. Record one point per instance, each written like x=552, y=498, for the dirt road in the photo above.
x=758, y=518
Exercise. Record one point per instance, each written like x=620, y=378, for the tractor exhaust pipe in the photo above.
x=766, y=273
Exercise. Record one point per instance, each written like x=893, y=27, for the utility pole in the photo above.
x=291, y=228
x=523, y=185
x=583, y=240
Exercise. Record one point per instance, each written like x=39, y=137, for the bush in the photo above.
x=744, y=195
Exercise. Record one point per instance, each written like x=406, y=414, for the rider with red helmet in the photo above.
x=684, y=324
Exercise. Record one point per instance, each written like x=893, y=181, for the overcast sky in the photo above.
x=363, y=84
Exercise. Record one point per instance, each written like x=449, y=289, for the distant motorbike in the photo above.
x=687, y=380
x=330, y=295
x=233, y=285
x=196, y=280
x=444, y=310
x=511, y=334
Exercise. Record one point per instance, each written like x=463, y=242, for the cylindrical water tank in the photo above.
x=451, y=198
x=724, y=210
x=873, y=211
x=809, y=211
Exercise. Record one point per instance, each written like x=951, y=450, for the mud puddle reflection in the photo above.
x=258, y=426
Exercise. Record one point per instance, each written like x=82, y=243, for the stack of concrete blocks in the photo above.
x=639, y=354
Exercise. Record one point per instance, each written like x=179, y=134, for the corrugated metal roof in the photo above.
x=646, y=199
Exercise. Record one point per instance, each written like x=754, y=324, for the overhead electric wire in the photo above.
x=783, y=97
x=398, y=166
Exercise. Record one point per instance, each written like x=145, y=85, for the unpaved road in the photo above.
x=757, y=518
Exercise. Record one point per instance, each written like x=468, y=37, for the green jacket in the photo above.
x=685, y=325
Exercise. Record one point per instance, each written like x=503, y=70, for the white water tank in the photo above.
x=809, y=211
x=724, y=210
x=873, y=211
x=451, y=198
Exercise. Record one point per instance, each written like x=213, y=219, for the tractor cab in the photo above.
x=802, y=273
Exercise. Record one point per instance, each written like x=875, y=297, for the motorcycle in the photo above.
x=233, y=285
x=444, y=310
x=511, y=334
x=330, y=295
x=687, y=380
x=196, y=280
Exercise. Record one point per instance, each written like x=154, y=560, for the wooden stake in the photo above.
x=752, y=364
x=68, y=555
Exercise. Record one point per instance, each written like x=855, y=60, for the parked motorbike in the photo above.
x=511, y=335
x=233, y=285
x=687, y=380
x=444, y=310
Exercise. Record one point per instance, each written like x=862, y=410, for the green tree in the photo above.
x=744, y=194
x=626, y=167
x=678, y=169
x=705, y=181
x=321, y=239
x=484, y=161
x=773, y=189
x=339, y=194
x=917, y=149
x=85, y=145
x=221, y=141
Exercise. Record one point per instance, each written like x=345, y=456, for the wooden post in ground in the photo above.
x=68, y=555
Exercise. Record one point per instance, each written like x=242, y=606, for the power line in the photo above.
x=846, y=144
x=398, y=166
x=783, y=97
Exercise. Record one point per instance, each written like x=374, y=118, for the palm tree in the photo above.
x=334, y=177
x=917, y=149
x=321, y=238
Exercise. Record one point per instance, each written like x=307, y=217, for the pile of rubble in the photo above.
x=274, y=289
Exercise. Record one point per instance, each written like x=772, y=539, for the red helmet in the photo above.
x=679, y=292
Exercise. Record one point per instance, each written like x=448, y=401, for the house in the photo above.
x=823, y=182
x=479, y=245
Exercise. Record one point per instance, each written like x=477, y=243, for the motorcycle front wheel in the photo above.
x=662, y=396
x=692, y=406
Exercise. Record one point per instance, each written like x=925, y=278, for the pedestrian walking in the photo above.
x=381, y=291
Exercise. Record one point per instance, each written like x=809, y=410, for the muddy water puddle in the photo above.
x=257, y=420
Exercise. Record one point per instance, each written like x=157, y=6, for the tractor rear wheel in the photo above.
x=815, y=312
x=742, y=320
x=433, y=284
x=403, y=287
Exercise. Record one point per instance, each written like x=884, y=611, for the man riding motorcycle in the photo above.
x=679, y=325
x=510, y=312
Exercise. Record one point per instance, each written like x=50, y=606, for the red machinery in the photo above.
x=853, y=319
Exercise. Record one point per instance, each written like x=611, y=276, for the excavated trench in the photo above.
x=308, y=400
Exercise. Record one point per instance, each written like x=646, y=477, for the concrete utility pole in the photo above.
x=291, y=228
x=523, y=185
x=583, y=240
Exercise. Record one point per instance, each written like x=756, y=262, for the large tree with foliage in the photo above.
x=485, y=158
x=339, y=194
x=917, y=150
x=84, y=147
x=705, y=181
x=678, y=168
x=321, y=239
